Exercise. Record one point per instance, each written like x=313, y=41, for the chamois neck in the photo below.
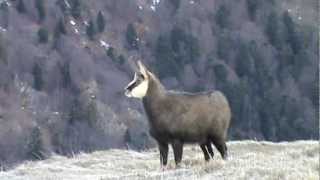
x=155, y=88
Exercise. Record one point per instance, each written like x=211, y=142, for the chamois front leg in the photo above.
x=177, y=147
x=163, y=148
x=209, y=148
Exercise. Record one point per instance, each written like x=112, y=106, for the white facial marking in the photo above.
x=140, y=90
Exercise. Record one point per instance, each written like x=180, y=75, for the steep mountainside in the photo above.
x=64, y=64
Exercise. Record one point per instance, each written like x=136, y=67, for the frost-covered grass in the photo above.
x=247, y=160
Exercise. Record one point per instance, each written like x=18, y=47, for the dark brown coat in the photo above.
x=178, y=117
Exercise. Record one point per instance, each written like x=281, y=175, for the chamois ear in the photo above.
x=142, y=69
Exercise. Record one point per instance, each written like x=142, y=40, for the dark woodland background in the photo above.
x=64, y=64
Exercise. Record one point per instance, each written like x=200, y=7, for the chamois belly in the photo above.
x=192, y=131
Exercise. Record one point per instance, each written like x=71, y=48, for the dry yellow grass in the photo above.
x=247, y=160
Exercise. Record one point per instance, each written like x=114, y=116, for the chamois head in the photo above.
x=138, y=87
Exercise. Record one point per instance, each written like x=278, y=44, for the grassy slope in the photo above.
x=247, y=160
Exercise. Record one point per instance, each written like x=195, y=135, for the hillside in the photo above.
x=64, y=64
x=248, y=160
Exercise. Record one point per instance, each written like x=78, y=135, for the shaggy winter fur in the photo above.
x=177, y=118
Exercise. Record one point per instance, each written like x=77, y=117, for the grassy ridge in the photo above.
x=247, y=160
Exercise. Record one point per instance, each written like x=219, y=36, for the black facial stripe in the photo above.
x=132, y=86
x=138, y=80
x=140, y=76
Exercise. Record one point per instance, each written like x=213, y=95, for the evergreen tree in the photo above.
x=272, y=30
x=21, y=8
x=62, y=4
x=220, y=72
x=165, y=64
x=224, y=44
x=222, y=16
x=58, y=30
x=185, y=46
x=66, y=76
x=175, y=4
x=244, y=64
x=111, y=53
x=92, y=113
x=100, y=22
x=4, y=13
x=121, y=59
x=39, y=4
x=37, y=77
x=3, y=51
x=91, y=30
x=252, y=6
x=34, y=145
x=132, y=37
x=77, y=112
x=76, y=8
x=61, y=26
x=291, y=35
x=43, y=35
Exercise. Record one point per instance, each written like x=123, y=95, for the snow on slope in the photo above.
x=247, y=160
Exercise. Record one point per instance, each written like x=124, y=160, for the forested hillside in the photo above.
x=64, y=64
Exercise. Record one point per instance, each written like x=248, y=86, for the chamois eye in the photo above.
x=141, y=76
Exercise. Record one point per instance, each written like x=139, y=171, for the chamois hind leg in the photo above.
x=205, y=152
x=177, y=147
x=221, y=146
x=209, y=148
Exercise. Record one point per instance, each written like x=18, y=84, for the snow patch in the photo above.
x=3, y=29
x=72, y=22
x=191, y=2
x=67, y=4
x=104, y=44
x=153, y=8
x=155, y=2
x=6, y=2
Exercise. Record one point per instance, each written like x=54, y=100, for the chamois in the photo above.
x=179, y=117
